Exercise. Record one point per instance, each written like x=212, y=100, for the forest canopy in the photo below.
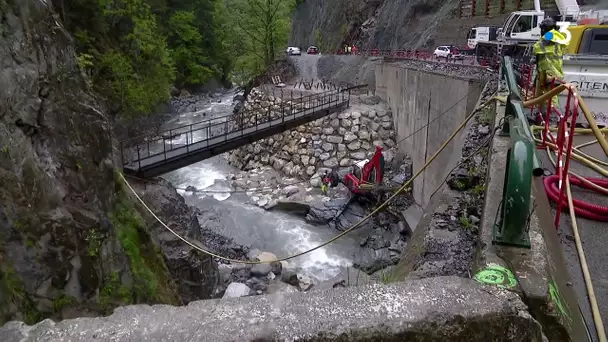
x=136, y=51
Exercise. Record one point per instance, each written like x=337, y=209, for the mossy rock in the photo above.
x=152, y=281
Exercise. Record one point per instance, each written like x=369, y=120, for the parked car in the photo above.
x=447, y=52
x=292, y=50
x=312, y=50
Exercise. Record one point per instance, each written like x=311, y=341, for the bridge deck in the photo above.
x=189, y=144
x=594, y=236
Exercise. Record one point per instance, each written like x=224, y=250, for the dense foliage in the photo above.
x=263, y=28
x=136, y=51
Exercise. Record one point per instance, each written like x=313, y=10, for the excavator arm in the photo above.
x=373, y=170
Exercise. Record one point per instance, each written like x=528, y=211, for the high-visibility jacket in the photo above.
x=549, y=51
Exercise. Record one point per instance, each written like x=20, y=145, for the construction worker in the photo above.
x=549, y=52
x=325, y=182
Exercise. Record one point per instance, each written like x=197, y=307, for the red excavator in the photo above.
x=363, y=177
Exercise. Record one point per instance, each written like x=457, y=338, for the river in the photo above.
x=230, y=215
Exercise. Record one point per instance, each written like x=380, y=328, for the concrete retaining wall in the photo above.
x=437, y=309
x=418, y=99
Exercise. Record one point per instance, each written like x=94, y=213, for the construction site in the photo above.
x=385, y=193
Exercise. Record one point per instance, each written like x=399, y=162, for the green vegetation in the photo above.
x=12, y=290
x=62, y=301
x=151, y=278
x=319, y=40
x=459, y=185
x=114, y=293
x=466, y=223
x=479, y=190
x=387, y=276
x=487, y=115
x=94, y=239
x=135, y=51
x=262, y=28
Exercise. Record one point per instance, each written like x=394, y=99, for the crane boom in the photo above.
x=567, y=8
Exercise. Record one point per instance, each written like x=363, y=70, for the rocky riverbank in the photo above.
x=384, y=236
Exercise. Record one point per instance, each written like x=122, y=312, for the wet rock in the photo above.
x=266, y=257
x=260, y=270
x=297, y=208
x=277, y=268
x=290, y=277
x=236, y=290
x=290, y=190
x=304, y=283
x=240, y=274
x=256, y=284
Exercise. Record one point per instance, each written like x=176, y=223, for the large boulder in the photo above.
x=196, y=273
x=339, y=213
x=296, y=208
x=236, y=290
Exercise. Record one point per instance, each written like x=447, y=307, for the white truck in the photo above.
x=481, y=34
x=521, y=29
x=589, y=73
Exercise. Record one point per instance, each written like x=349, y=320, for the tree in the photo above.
x=263, y=27
x=186, y=43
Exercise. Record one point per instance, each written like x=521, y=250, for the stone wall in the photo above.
x=339, y=139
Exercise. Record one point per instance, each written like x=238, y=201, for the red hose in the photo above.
x=581, y=208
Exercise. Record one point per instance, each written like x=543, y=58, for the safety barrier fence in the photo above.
x=561, y=140
x=511, y=227
x=522, y=162
x=464, y=56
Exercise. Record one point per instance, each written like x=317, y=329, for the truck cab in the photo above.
x=480, y=34
x=586, y=66
x=521, y=26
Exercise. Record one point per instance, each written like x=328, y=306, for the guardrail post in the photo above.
x=512, y=228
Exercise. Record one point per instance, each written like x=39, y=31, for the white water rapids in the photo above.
x=277, y=233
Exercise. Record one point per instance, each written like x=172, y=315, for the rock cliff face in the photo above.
x=340, y=139
x=383, y=24
x=71, y=241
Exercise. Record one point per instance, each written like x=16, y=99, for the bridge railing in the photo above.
x=221, y=129
x=512, y=225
